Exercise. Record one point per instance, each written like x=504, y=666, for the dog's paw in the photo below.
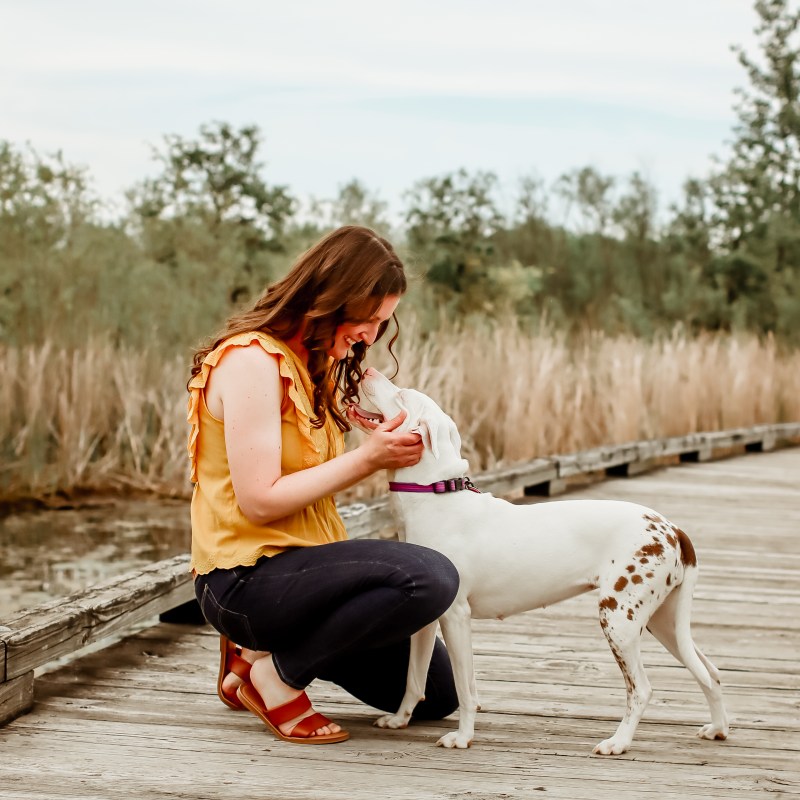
x=456, y=739
x=712, y=731
x=611, y=747
x=393, y=721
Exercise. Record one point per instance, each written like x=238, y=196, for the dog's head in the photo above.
x=442, y=457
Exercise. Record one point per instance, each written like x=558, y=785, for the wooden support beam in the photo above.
x=546, y=489
x=597, y=460
x=763, y=445
x=16, y=697
x=695, y=456
x=631, y=468
x=538, y=472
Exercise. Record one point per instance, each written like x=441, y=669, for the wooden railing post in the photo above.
x=16, y=695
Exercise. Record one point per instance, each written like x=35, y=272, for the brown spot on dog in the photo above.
x=631, y=568
x=621, y=583
x=630, y=613
x=673, y=541
x=688, y=556
x=652, y=518
x=669, y=579
x=636, y=579
x=651, y=527
x=608, y=602
x=648, y=575
x=603, y=622
x=655, y=549
x=644, y=560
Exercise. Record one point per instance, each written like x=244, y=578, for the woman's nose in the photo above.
x=368, y=336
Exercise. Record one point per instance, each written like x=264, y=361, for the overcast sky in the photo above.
x=384, y=92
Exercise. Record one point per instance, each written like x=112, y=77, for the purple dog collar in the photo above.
x=440, y=487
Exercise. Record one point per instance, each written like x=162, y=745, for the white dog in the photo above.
x=514, y=558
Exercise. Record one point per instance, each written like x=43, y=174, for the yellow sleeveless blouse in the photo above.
x=222, y=537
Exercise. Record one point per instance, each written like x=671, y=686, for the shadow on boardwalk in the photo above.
x=141, y=720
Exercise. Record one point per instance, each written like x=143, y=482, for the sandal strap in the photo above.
x=238, y=666
x=291, y=710
x=307, y=726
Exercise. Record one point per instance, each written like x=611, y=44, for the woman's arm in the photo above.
x=246, y=390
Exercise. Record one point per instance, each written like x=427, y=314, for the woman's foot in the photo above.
x=231, y=682
x=274, y=692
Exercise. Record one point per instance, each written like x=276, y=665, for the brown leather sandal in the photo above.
x=231, y=661
x=303, y=732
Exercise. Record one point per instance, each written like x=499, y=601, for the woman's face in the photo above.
x=349, y=333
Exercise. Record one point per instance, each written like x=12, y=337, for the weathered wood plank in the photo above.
x=16, y=697
x=670, y=734
x=368, y=519
x=62, y=627
x=512, y=479
x=601, y=458
x=504, y=765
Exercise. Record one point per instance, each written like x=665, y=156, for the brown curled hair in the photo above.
x=345, y=277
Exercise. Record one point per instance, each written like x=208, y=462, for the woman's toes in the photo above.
x=231, y=683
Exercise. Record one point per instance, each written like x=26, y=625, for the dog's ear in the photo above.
x=455, y=437
x=428, y=434
x=416, y=422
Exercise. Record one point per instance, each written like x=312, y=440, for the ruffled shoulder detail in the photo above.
x=291, y=379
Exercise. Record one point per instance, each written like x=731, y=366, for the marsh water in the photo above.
x=48, y=554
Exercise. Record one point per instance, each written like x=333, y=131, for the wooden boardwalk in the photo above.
x=140, y=719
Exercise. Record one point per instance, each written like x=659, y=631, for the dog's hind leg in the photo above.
x=457, y=633
x=624, y=637
x=419, y=661
x=671, y=625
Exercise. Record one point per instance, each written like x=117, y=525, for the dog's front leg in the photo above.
x=457, y=632
x=419, y=661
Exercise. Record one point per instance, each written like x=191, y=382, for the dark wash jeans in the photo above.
x=343, y=612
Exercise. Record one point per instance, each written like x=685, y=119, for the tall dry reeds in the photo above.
x=97, y=419
x=104, y=418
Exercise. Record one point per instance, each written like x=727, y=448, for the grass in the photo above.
x=108, y=419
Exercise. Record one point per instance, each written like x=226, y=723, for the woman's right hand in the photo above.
x=388, y=448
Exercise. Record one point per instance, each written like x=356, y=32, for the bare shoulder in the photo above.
x=252, y=357
x=242, y=372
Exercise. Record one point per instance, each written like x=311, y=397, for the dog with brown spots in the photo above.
x=513, y=558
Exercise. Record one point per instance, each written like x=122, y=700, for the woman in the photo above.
x=274, y=571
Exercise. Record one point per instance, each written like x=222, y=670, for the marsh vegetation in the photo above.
x=582, y=314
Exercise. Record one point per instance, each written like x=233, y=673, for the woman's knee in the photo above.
x=439, y=581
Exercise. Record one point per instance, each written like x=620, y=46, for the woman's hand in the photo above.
x=387, y=448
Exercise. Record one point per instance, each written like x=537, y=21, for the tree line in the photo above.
x=209, y=231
